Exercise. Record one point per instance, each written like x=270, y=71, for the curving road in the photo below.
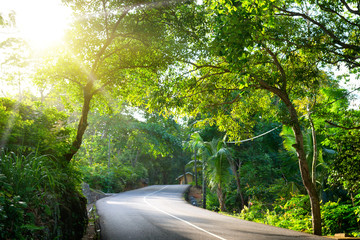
x=159, y=212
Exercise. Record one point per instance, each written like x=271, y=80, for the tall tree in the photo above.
x=112, y=45
x=195, y=144
x=249, y=68
x=216, y=156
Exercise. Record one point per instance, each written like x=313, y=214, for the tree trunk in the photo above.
x=221, y=198
x=204, y=192
x=304, y=168
x=88, y=91
x=299, y=147
x=195, y=166
x=83, y=123
x=238, y=183
x=315, y=152
x=185, y=178
x=203, y=185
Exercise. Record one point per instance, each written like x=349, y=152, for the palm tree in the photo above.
x=195, y=145
x=314, y=153
x=217, y=159
x=217, y=156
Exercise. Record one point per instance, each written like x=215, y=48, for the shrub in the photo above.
x=254, y=212
x=293, y=213
x=212, y=202
x=33, y=128
x=39, y=199
x=117, y=178
x=341, y=217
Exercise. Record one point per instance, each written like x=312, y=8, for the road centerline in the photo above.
x=177, y=218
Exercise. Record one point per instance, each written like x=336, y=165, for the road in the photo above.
x=159, y=212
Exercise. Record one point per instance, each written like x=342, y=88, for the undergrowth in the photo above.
x=39, y=198
x=294, y=214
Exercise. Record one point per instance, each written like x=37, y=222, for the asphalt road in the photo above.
x=159, y=212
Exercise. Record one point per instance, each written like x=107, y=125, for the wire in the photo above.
x=250, y=139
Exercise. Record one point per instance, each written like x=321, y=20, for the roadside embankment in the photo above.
x=92, y=195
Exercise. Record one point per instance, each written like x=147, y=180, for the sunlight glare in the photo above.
x=41, y=22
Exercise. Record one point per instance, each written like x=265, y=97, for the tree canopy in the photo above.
x=248, y=85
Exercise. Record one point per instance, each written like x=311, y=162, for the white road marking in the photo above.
x=180, y=219
x=119, y=203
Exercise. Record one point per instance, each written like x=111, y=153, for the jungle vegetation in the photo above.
x=241, y=93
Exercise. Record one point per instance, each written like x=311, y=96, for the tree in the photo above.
x=247, y=66
x=345, y=168
x=235, y=166
x=119, y=151
x=337, y=136
x=112, y=45
x=216, y=156
x=332, y=27
x=195, y=144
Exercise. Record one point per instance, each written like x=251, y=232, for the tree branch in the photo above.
x=338, y=126
x=101, y=88
x=106, y=18
x=338, y=14
x=226, y=103
x=278, y=66
x=210, y=90
x=205, y=66
x=349, y=9
x=109, y=40
x=322, y=27
x=71, y=80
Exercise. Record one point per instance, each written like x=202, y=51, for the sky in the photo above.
x=41, y=22
x=352, y=84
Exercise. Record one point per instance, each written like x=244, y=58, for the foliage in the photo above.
x=329, y=27
x=346, y=166
x=27, y=128
x=250, y=69
x=234, y=66
x=341, y=216
x=267, y=170
x=114, y=48
x=39, y=199
x=218, y=168
x=212, y=201
x=293, y=213
x=119, y=152
x=40, y=196
x=117, y=178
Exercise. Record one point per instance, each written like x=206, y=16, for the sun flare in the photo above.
x=41, y=22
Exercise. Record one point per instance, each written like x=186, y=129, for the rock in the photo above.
x=92, y=195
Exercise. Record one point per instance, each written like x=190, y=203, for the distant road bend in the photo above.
x=159, y=212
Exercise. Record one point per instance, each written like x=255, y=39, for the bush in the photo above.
x=255, y=212
x=293, y=213
x=341, y=217
x=118, y=178
x=33, y=128
x=39, y=199
x=212, y=201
